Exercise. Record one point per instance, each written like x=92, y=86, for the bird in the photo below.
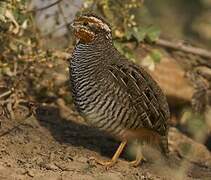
x=114, y=94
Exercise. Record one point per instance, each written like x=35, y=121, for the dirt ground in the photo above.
x=51, y=141
x=55, y=144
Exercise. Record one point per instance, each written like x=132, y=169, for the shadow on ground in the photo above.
x=73, y=133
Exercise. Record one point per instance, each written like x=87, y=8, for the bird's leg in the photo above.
x=115, y=156
x=139, y=157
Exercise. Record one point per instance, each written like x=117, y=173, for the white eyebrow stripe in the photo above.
x=86, y=31
x=105, y=26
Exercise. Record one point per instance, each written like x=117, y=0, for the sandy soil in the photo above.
x=54, y=143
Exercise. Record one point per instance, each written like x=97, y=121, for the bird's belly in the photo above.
x=105, y=107
x=98, y=112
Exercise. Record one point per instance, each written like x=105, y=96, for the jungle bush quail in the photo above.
x=112, y=93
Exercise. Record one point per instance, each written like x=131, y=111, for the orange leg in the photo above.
x=115, y=156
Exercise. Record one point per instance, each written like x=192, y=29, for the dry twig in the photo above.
x=5, y=93
x=45, y=7
x=182, y=47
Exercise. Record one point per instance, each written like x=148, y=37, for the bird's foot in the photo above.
x=115, y=157
x=107, y=164
x=137, y=161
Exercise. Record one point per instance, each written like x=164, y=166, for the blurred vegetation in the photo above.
x=135, y=21
x=26, y=70
x=22, y=53
x=130, y=22
x=188, y=20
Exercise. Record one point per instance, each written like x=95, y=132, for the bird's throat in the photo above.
x=84, y=36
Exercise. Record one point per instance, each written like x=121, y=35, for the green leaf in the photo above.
x=139, y=33
x=156, y=55
x=153, y=33
x=118, y=45
x=129, y=54
x=129, y=33
x=124, y=50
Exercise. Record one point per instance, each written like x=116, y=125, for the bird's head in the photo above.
x=87, y=27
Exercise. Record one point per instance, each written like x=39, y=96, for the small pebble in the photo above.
x=82, y=159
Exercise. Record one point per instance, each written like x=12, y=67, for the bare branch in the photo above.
x=181, y=47
x=45, y=7
x=5, y=94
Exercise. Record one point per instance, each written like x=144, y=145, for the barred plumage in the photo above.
x=112, y=93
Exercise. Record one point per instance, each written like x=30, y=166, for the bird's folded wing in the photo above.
x=145, y=95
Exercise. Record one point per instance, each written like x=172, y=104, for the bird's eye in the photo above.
x=85, y=23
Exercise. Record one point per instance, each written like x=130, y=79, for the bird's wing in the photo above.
x=145, y=95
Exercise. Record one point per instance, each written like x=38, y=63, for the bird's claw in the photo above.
x=107, y=164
